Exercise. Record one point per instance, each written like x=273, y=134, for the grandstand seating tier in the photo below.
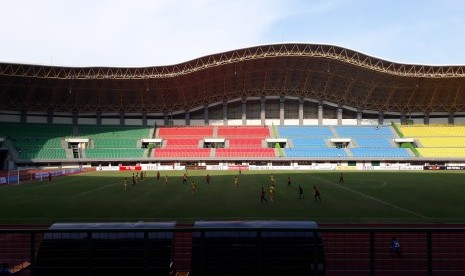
x=372, y=142
x=184, y=152
x=442, y=142
x=165, y=132
x=297, y=131
x=245, y=143
x=432, y=131
x=253, y=152
x=367, y=131
x=380, y=152
x=182, y=142
x=442, y=152
x=229, y=132
x=315, y=152
x=114, y=153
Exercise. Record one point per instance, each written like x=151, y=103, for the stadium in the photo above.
x=82, y=150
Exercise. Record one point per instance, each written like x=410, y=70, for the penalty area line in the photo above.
x=94, y=189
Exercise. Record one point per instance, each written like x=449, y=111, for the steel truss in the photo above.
x=319, y=72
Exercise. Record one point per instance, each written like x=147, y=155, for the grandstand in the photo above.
x=291, y=107
x=437, y=141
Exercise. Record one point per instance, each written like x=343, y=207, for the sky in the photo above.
x=137, y=33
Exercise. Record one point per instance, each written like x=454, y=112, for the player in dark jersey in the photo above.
x=301, y=192
x=208, y=179
x=262, y=195
x=341, y=178
x=316, y=193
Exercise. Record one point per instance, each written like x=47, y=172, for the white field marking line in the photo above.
x=95, y=189
x=370, y=197
x=382, y=184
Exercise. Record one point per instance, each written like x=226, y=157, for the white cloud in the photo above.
x=130, y=33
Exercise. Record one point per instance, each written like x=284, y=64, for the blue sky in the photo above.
x=136, y=33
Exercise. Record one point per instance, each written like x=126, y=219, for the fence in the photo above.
x=347, y=251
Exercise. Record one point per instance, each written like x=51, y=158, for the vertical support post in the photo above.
x=281, y=110
x=372, y=254
x=381, y=118
x=315, y=244
x=225, y=112
x=75, y=117
x=403, y=118
x=205, y=114
x=429, y=253
x=301, y=111
x=33, y=253
x=187, y=117
x=339, y=115
x=146, y=253
x=320, y=113
x=451, y=119
x=426, y=119
x=23, y=116
x=144, y=118
x=49, y=116
x=98, y=115
x=244, y=111
x=89, y=253
x=262, y=110
x=359, y=117
x=121, y=118
x=202, y=251
x=259, y=252
x=165, y=119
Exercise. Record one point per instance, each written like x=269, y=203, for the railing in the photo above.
x=347, y=251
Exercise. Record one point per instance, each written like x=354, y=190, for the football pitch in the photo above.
x=364, y=197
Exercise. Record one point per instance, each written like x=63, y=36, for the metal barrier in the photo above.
x=347, y=251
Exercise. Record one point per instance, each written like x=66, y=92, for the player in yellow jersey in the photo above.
x=193, y=188
x=125, y=183
x=272, y=192
x=165, y=183
x=272, y=179
x=236, y=181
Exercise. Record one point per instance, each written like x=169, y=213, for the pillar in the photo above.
x=205, y=114
x=320, y=113
x=98, y=115
x=121, y=118
x=381, y=118
x=262, y=110
x=144, y=119
x=301, y=111
x=426, y=119
x=187, y=117
x=225, y=112
x=49, y=116
x=281, y=110
x=339, y=115
x=244, y=111
x=451, y=119
x=403, y=118
x=23, y=116
x=165, y=119
x=75, y=117
x=359, y=117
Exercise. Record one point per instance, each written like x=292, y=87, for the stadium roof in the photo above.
x=319, y=72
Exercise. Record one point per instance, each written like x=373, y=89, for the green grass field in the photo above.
x=365, y=197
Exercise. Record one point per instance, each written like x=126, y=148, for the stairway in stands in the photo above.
x=182, y=252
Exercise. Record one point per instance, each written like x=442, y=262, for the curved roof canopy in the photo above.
x=318, y=72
